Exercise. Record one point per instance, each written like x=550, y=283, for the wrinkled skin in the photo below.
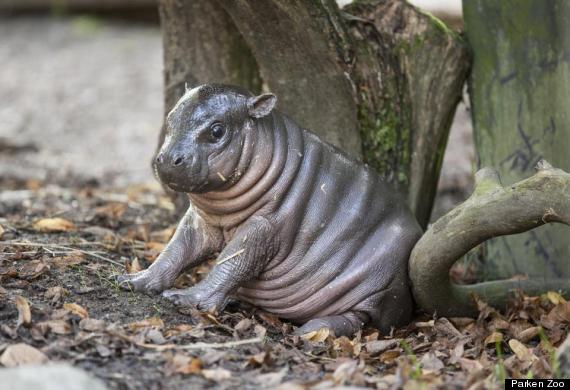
x=302, y=230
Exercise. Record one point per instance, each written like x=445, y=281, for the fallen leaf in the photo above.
x=345, y=371
x=379, y=346
x=443, y=325
x=177, y=330
x=61, y=327
x=111, y=211
x=133, y=267
x=24, y=313
x=55, y=294
x=528, y=334
x=92, y=325
x=146, y=323
x=22, y=354
x=317, y=336
x=182, y=364
x=74, y=258
x=1, y=231
x=260, y=331
x=258, y=360
x=522, y=352
x=272, y=379
x=555, y=297
x=343, y=346
x=53, y=225
x=243, y=326
x=494, y=338
x=217, y=375
x=33, y=269
x=76, y=309
x=431, y=363
x=559, y=314
x=389, y=356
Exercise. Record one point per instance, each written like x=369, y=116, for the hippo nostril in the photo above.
x=178, y=161
x=159, y=158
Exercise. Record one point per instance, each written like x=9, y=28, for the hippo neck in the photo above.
x=263, y=164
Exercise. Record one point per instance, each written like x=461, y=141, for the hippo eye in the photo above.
x=217, y=131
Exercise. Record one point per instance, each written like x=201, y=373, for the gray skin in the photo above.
x=302, y=230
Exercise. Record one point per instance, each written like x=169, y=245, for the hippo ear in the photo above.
x=260, y=106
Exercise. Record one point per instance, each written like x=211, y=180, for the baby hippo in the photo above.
x=302, y=230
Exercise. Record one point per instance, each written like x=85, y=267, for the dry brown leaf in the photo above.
x=317, y=336
x=24, y=313
x=74, y=258
x=259, y=360
x=559, y=314
x=217, y=375
x=470, y=365
x=555, y=298
x=431, y=363
x=389, y=356
x=22, y=354
x=528, y=334
x=55, y=294
x=444, y=326
x=178, y=330
x=112, y=211
x=182, y=364
x=57, y=326
x=76, y=309
x=343, y=346
x=260, y=330
x=379, y=346
x=522, y=352
x=243, y=326
x=133, y=267
x=92, y=325
x=494, y=338
x=53, y=225
x=1, y=231
x=33, y=269
x=151, y=322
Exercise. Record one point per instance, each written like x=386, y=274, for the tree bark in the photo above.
x=520, y=95
x=380, y=80
x=492, y=210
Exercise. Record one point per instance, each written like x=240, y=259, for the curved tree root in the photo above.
x=491, y=211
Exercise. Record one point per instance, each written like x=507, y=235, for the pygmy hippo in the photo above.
x=302, y=230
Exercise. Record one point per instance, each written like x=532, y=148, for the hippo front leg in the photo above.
x=193, y=242
x=241, y=260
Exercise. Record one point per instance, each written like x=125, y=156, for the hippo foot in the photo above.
x=342, y=325
x=197, y=296
x=143, y=281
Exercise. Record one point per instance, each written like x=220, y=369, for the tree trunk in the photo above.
x=520, y=95
x=381, y=80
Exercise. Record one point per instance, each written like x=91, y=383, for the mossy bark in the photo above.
x=381, y=80
x=520, y=97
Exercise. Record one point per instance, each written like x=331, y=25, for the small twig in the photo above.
x=230, y=256
x=56, y=246
x=194, y=346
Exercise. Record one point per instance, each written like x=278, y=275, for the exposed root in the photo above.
x=491, y=211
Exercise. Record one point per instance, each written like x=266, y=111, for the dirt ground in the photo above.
x=60, y=249
x=80, y=108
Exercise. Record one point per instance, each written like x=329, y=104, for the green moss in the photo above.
x=385, y=142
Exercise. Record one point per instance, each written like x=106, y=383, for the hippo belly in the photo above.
x=338, y=250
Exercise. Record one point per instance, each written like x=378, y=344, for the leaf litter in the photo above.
x=59, y=302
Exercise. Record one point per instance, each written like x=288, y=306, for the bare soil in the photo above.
x=130, y=340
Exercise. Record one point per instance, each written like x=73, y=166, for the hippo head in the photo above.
x=205, y=133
